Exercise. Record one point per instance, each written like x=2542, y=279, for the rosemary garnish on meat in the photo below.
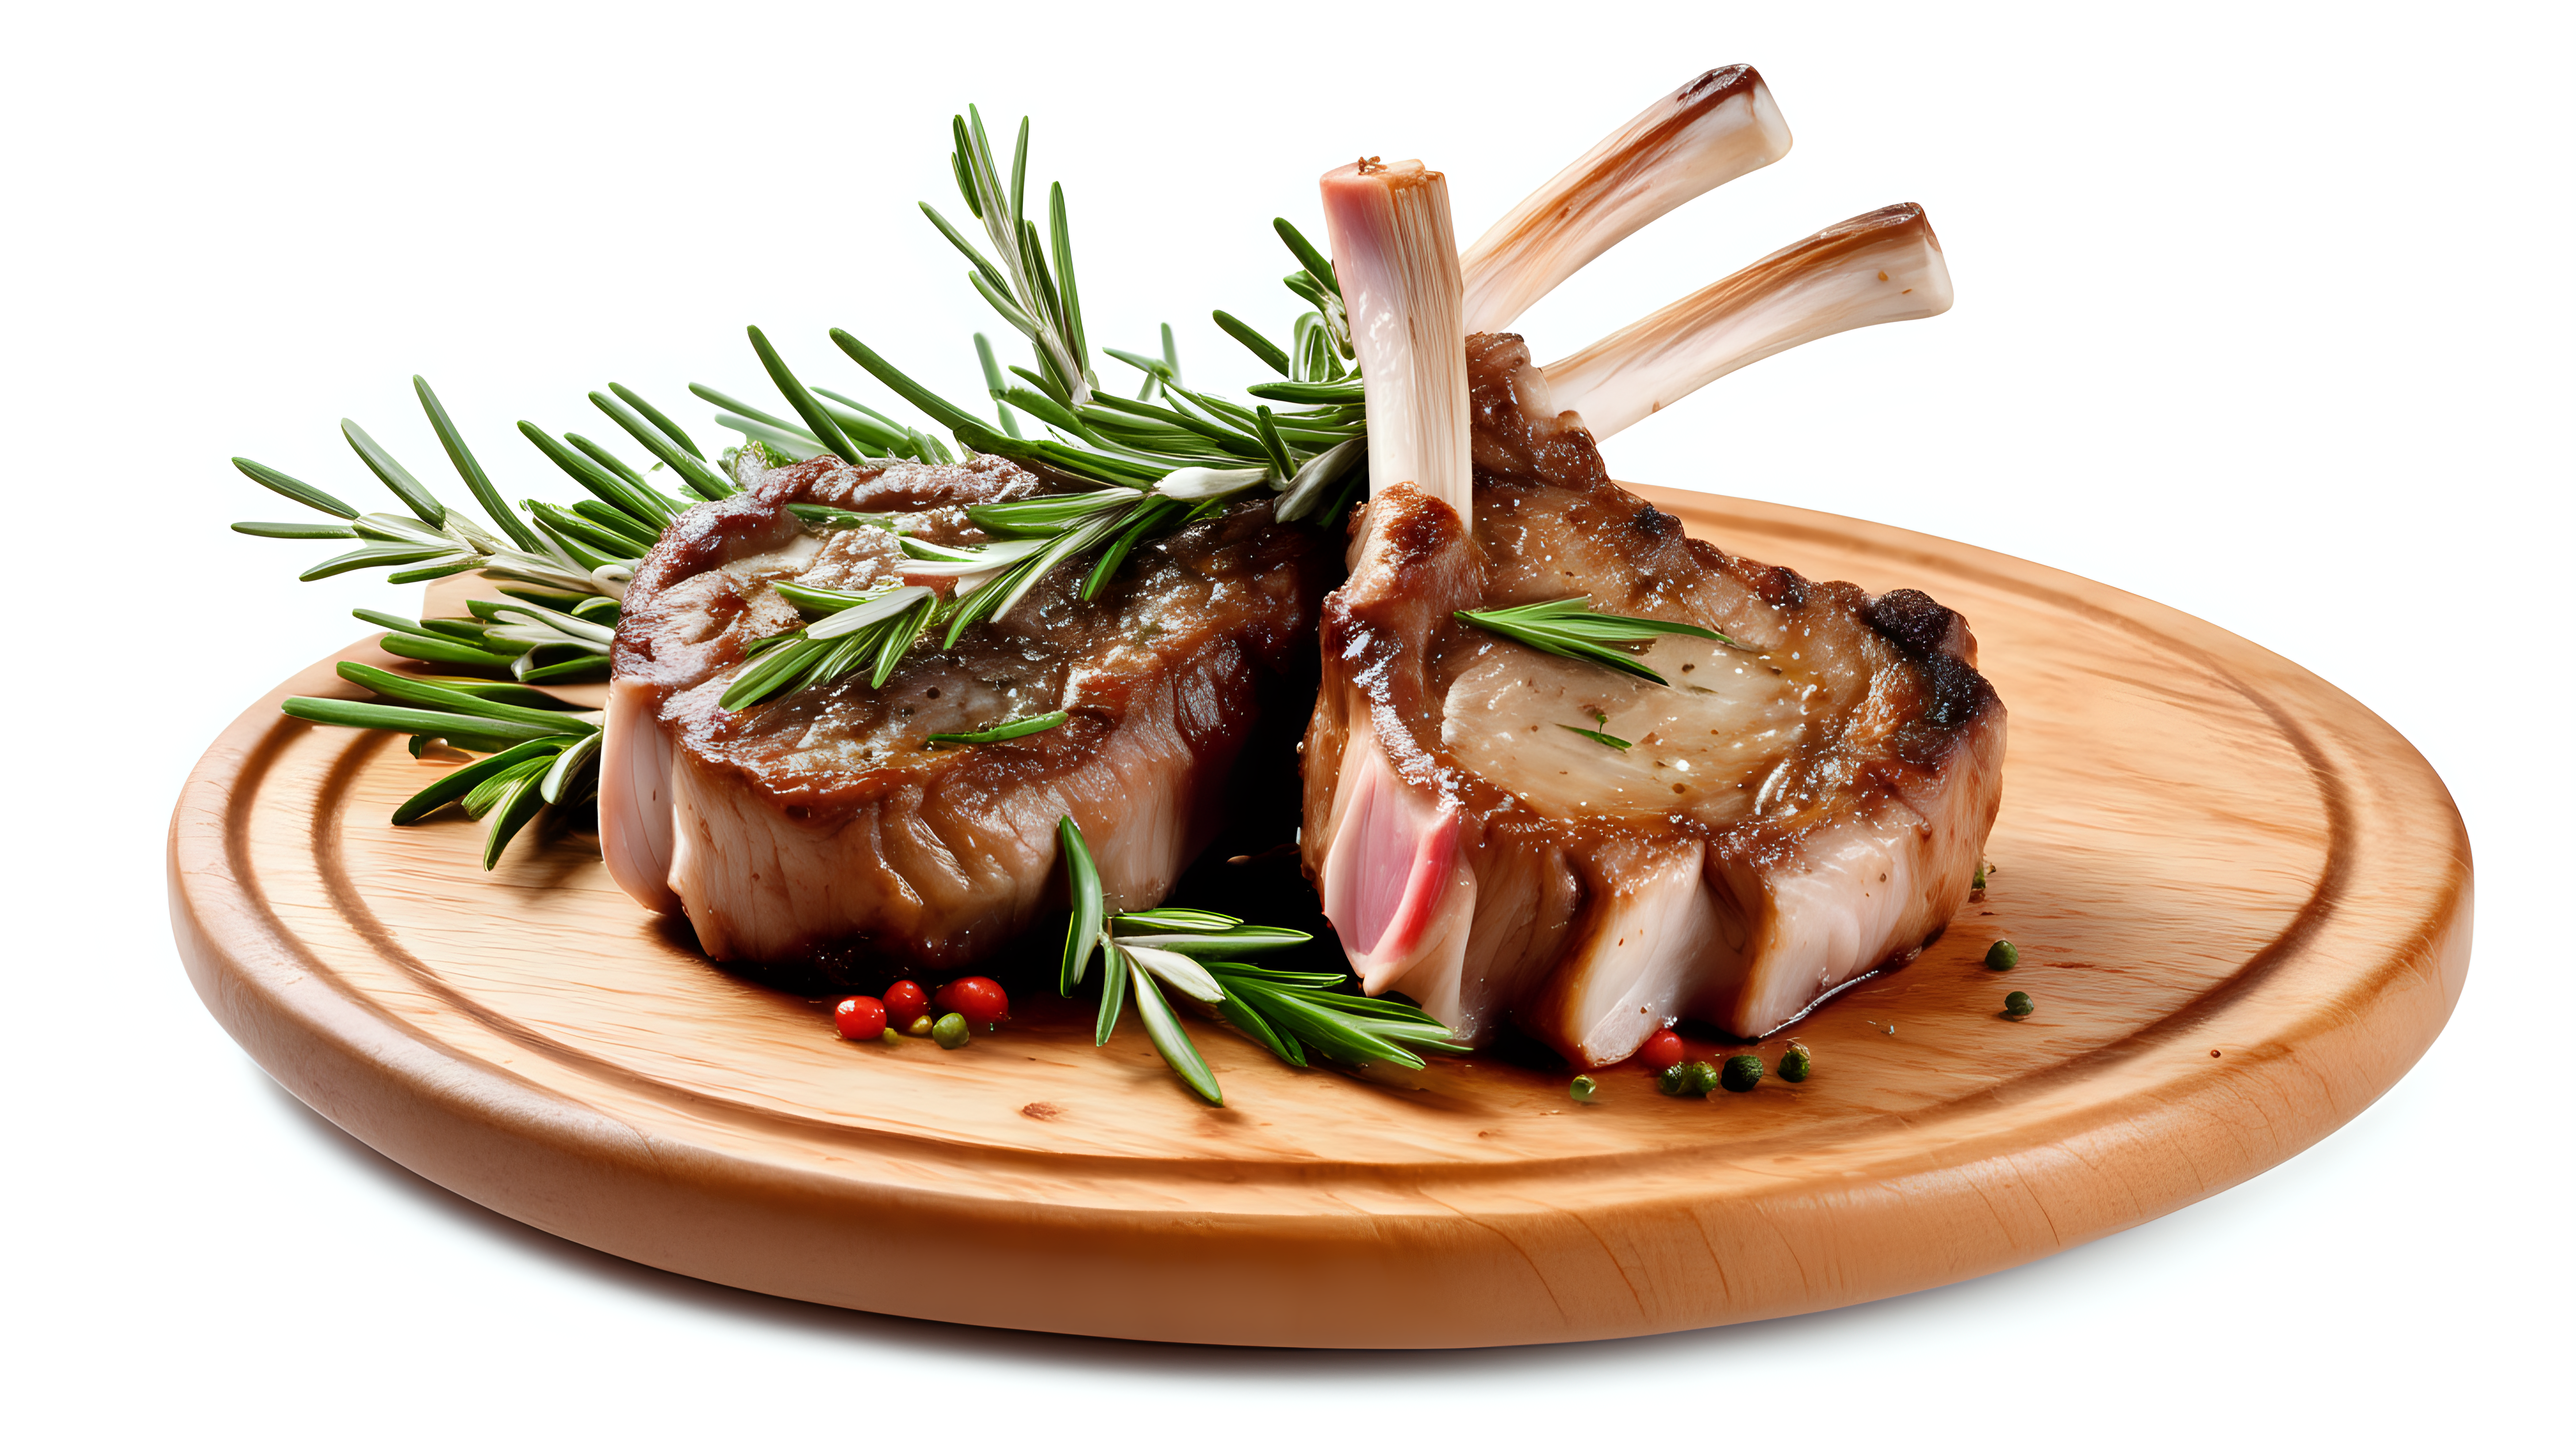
x=1003, y=732
x=1169, y=458
x=1568, y=627
x=1204, y=956
x=870, y=630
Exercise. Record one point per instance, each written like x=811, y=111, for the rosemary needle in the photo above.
x=1604, y=738
x=1007, y=731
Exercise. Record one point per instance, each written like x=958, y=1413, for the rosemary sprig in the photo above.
x=1158, y=463
x=586, y=549
x=541, y=754
x=1169, y=458
x=1205, y=956
x=1568, y=627
x=1028, y=281
x=1095, y=436
x=1156, y=466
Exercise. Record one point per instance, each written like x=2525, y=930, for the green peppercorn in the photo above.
x=1582, y=1088
x=2003, y=955
x=891, y=1036
x=920, y=1027
x=1797, y=1063
x=2019, y=1005
x=1741, y=1073
x=1980, y=884
x=1703, y=1078
x=951, y=1031
x=1675, y=1082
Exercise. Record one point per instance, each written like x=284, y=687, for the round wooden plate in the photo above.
x=2242, y=904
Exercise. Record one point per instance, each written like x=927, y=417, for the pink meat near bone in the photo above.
x=1790, y=815
x=824, y=821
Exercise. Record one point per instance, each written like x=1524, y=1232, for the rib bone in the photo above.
x=1397, y=259
x=1883, y=266
x=1719, y=126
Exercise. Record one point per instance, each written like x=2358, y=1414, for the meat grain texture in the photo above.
x=1792, y=812
x=825, y=822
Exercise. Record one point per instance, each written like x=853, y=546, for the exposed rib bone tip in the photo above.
x=1715, y=128
x=1884, y=265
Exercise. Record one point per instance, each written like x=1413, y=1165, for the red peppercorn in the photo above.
x=904, y=1002
x=1661, y=1051
x=980, y=999
x=860, y=1019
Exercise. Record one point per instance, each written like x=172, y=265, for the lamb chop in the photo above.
x=826, y=822
x=1502, y=833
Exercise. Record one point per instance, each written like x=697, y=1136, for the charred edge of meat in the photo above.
x=1943, y=653
x=1919, y=626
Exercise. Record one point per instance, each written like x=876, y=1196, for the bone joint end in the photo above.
x=1875, y=268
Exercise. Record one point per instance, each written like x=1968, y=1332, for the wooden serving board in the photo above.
x=2242, y=904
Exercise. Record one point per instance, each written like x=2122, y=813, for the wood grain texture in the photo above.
x=2242, y=904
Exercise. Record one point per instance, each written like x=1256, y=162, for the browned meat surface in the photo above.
x=1789, y=816
x=824, y=821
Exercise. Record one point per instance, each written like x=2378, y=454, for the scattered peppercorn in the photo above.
x=1797, y=1063
x=1582, y=1088
x=980, y=999
x=1741, y=1073
x=1662, y=1050
x=1675, y=1082
x=919, y=1027
x=890, y=1036
x=904, y=1002
x=2019, y=1005
x=2003, y=955
x=859, y=1018
x=951, y=1031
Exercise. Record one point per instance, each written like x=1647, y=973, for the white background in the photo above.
x=2263, y=312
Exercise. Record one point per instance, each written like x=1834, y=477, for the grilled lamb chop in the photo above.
x=1793, y=811
x=823, y=821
